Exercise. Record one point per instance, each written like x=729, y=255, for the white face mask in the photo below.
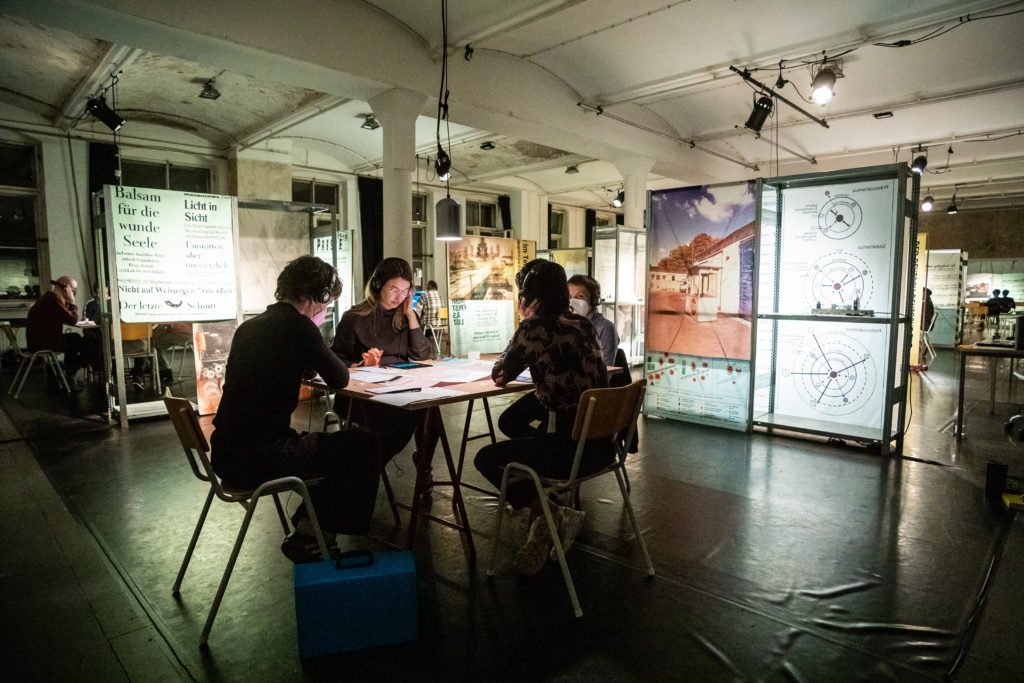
x=579, y=307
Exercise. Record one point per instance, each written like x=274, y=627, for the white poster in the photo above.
x=323, y=249
x=480, y=325
x=837, y=247
x=174, y=253
x=698, y=388
x=831, y=371
x=944, y=276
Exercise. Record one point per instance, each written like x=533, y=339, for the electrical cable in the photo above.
x=942, y=30
x=78, y=214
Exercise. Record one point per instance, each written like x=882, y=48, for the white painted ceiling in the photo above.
x=304, y=71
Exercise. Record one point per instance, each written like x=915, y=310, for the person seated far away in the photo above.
x=383, y=329
x=1006, y=302
x=994, y=305
x=584, y=297
x=253, y=440
x=429, y=309
x=561, y=351
x=45, y=327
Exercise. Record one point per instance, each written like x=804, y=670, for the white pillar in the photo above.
x=634, y=173
x=397, y=111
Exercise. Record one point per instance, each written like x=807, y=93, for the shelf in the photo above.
x=839, y=430
x=862, y=319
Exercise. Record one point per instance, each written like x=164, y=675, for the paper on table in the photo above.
x=374, y=374
x=404, y=383
x=407, y=397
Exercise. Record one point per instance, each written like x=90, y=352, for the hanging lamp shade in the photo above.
x=448, y=215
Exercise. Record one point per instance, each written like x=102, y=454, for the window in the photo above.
x=19, y=197
x=558, y=236
x=166, y=176
x=481, y=219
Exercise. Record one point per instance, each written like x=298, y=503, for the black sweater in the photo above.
x=270, y=355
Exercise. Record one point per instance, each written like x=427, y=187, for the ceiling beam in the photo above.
x=116, y=60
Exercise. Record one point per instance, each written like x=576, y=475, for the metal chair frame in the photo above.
x=48, y=357
x=186, y=424
x=602, y=413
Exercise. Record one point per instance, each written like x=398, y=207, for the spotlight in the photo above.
x=762, y=109
x=448, y=220
x=572, y=169
x=209, y=92
x=821, y=87
x=882, y=115
x=487, y=145
x=952, y=206
x=619, y=199
x=97, y=106
x=443, y=164
x=919, y=164
x=370, y=122
x=928, y=204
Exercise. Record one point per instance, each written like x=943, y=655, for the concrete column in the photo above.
x=397, y=111
x=634, y=172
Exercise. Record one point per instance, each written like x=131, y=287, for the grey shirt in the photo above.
x=607, y=337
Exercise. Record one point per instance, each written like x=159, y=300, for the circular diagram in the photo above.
x=839, y=278
x=834, y=374
x=840, y=217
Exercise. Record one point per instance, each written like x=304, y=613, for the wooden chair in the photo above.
x=186, y=424
x=602, y=414
x=48, y=357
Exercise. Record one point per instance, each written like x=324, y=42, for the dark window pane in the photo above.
x=326, y=194
x=143, y=174
x=302, y=191
x=17, y=222
x=187, y=179
x=17, y=165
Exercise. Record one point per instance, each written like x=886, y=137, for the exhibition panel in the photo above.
x=835, y=302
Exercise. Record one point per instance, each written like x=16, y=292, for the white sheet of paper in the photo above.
x=402, y=399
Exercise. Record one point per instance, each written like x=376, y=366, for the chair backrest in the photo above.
x=186, y=424
x=131, y=331
x=606, y=412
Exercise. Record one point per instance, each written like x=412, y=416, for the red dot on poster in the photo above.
x=702, y=377
x=650, y=377
x=671, y=372
x=671, y=360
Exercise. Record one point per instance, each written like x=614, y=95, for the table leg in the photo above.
x=993, y=364
x=458, y=503
x=426, y=441
x=959, y=432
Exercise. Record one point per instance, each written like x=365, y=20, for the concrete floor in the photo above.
x=778, y=558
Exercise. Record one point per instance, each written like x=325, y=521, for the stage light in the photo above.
x=619, y=199
x=448, y=220
x=487, y=146
x=919, y=164
x=443, y=164
x=952, y=206
x=209, y=92
x=370, y=122
x=572, y=169
x=821, y=87
x=97, y=106
x=762, y=109
x=928, y=204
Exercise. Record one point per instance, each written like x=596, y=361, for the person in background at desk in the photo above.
x=564, y=360
x=45, y=327
x=430, y=309
x=1006, y=302
x=584, y=297
x=253, y=441
x=383, y=329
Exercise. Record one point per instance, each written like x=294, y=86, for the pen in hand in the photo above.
x=402, y=391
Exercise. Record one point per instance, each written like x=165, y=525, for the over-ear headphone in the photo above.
x=523, y=280
x=330, y=277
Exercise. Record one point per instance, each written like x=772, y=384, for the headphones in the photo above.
x=523, y=279
x=330, y=277
x=377, y=279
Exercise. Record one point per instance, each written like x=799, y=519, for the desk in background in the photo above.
x=992, y=352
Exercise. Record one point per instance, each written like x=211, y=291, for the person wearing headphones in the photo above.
x=45, y=327
x=584, y=297
x=383, y=329
x=253, y=440
x=561, y=351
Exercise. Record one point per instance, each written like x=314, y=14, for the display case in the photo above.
x=620, y=266
x=574, y=261
x=834, y=304
x=946, y=280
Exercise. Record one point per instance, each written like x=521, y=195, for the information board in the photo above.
x=173, y=253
